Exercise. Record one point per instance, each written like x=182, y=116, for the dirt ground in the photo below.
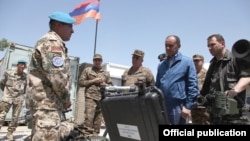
x=21, y=133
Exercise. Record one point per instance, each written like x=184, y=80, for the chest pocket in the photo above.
x=19, y=86
x=231, y=79
x=92, y=76
x=103, y=76
x=11, y=81
x=131, y=79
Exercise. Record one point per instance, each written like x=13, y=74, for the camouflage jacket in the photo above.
x=201, y=77
x=93, y=90
x=49, y=74
x=13, y=86
x=130, y=78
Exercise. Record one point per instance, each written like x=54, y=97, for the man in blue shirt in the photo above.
x=177, y=79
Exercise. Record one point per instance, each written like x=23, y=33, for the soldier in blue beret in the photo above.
x=48, y=93
x=13, y=84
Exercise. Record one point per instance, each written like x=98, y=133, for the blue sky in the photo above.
x=127, y=25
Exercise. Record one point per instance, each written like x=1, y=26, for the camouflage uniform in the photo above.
x=130, y=77
x=93, y=115
x=48, y=87
x=13, y=87
x=201, y=77
x=199, y=113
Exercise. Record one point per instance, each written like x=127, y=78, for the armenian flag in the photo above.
x=88, y=9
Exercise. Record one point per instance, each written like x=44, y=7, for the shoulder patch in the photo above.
x=57, y=61
x=56, y=49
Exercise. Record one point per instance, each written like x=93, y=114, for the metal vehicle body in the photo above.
x=116, y=71
x=17, y=51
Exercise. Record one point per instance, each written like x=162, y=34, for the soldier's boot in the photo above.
x=9, y=136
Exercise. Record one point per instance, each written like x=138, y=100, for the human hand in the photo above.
x=98, y=80
x=103, y=84
x=231, y=93
x=67, y=105
x=185, y=113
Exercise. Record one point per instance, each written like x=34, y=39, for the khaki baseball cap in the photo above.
x=97, y=56
x=138, y=53
x=198, y=57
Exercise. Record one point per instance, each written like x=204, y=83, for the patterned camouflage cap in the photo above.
x=198, y=57
x=138, y=53
x=97, y=56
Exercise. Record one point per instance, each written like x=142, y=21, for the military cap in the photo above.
x=161, y=56
x=138, y=53
x=198, y=57
x=62, y=17
x=97, y=56
x=21, y=61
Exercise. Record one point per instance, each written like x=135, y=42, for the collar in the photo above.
x=227, y=56
x=97, y=69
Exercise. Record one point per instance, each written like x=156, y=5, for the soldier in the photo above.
x=201, y=74
x=131, y=75
x=201, y=71
x=93, y=78
x=13, y=86
x=48, y=86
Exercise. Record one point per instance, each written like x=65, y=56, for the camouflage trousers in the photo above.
x=47, y=126
x=93, y=117
x=200, y=115
x=4, y=109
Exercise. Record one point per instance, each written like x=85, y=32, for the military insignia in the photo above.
x=56, y=49
x=57, y=61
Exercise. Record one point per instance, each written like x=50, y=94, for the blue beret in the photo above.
x=62, y=17
x=21, y=61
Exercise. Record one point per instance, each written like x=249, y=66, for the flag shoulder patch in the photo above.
x=56, y=49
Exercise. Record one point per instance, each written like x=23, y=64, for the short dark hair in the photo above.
x=52, y=22
x=218, y=37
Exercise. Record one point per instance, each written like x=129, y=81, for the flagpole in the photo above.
x=96, y=27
